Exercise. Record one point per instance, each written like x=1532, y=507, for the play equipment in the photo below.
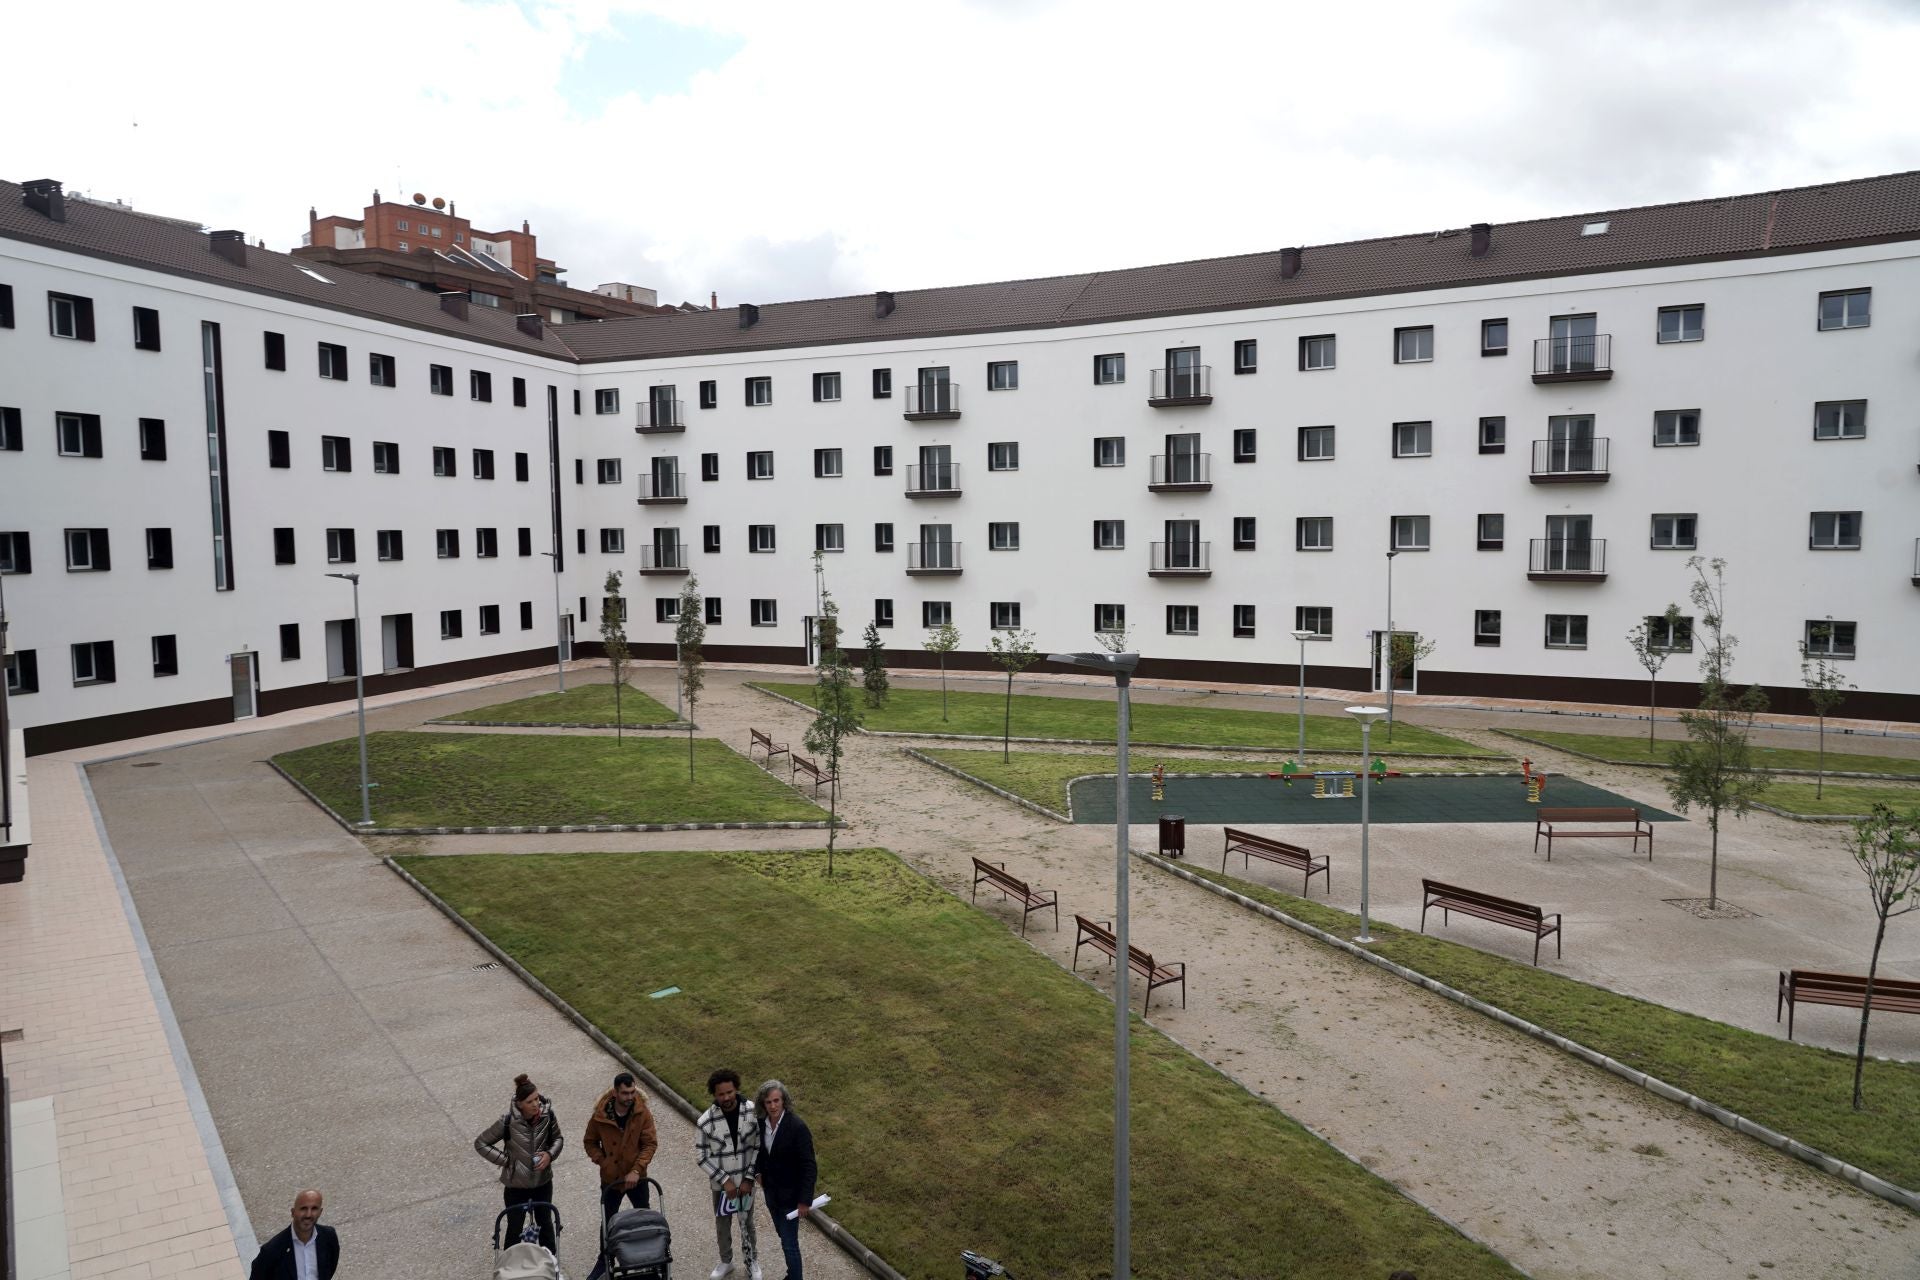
x=1345, y=778
x=1160, y=782
x=1536, y=782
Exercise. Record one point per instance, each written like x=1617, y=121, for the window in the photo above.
x=709, y=466
x=525, y=539
x=1243, y=531
x=403, y=246
x=1410, y=533
x=1826, y=638
x=1486, y=628
x=713, y=611
x=665, y=608
x=709, y=394
x=1664, y=636
x=606, y=400
x=1834, y=531
x=883, y=459
x=759, y=392
x=401, y=225
x=289, y=642
x=520, y=467
x=279, y=449
x=1596, y=228
x=882, y=384
x=1674, y=532
x=380, y=370
x=826, y=387
x=1672, y=427
x=830, y=537
x=1109, y=535
x=146, y=329
x=1314, y=618
x=446, y=544
x=1004, y=456
x=386, y=458
x=1413, y=439
x=153, y=440
x=760, y=465
x=1682, y=324
x=6, y=306
x=1493, y=337
x=1317, y=352
x=1313, y=533
x=1108, y=370
x=608, y=470
x=1005, y=614
x=1316, y=444
x=1003, y=535
x=336, y=453
x=480, y=387
x=93, y=662
x=1003, y=375
x=389, y=544
x=276, y=351
x=883, y=537
x=88, y=551
x=283, y=546
x=449, y=624
x=23, y=671
x=1245, y=444
x=1840, y=420
x=78, y=434
x=1490, y=533
x=159, y=548
x=340, y=546
x=1246, y=356
x=486, y=544
x=490, y=619
x=526, y=615
x=483, y=464
x=1493, y=435
x=519, y=393
x=883, y=613
x=333, y=362
x=710, y=539
x=12, y=438
x=1183, y=619
x=70, y=317
x=16, y=552
x=166, y=656
x=576, y=410
x=763, y=613
x=579, y=470
x=444, y=463
x=1110, y=451
x=1846, y=309
x=440, y=379
x=1414, y=345
x=936, y=613
x=1109, y=619
x=1566, y=631
x=827, y=464
x=760, y=538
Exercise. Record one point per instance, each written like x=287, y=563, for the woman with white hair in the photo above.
x=787, y=1168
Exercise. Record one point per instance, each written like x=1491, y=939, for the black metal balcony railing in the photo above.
x=1579, y=359
x=933, y=557
x=1176, y=471
x=1178, y=559
x=659, y=558
x=1192, y=384
x=658, y=416
x=663, y=486
x=1567, y=559
x=930, y=401
x=939, y=479
x=1581, y=458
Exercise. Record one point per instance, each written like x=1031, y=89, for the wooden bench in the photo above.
x=1031, y=900
x=1251, y=846
x=1098, y=934
x=1471, y=902
x=803, y=765
x=1545, y=825
x=767, y=744
x=1808, y=986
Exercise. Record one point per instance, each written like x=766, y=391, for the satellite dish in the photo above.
x=438, y=203
x=418, y=198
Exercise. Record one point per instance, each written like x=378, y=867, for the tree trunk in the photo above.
x=1653, y=709
x=1713, y=865
x=617, y=725
x=943, y=688
x=1866, y=1008
x=689, y=744
x=1819, y=786
x=833, y=819
x=1006, y=726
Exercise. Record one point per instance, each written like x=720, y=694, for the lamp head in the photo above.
x=1114, y=664
x=1305, y=635
x=1366, y=715
x=1392, y=554
x=347, y=577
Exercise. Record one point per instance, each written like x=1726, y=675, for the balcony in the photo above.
x=1567, y=560
x=932, y=402
x=935, y=480
x=933, y=559
x=1174, y=388
x=663, y=486
x=661, y=417
x=1586, y=359
x=1181, y=560
x=1580, y=461
x=1181, y=473
x=664, y=559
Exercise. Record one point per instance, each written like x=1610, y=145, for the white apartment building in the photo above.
x=1541, y=421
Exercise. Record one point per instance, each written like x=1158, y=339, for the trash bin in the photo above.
x=979, y=1268
x=1173, y=835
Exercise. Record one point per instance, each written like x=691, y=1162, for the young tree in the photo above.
x=1713, y=767
x=689, y=633
x=837, y=714
x=1654, y=640
x=1887, y=847
x=613, y=639
x=1013, y=652
x=1404, y=650
x=942, y=640
x=1120, y=641
x=1826, y=690
x=875, y=677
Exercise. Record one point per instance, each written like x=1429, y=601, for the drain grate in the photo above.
x=482, y=968
x=146, y=764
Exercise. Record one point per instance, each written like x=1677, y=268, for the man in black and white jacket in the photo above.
x=727, y=1144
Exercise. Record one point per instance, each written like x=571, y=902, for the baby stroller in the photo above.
x=638, y=1244
x=526, y=1258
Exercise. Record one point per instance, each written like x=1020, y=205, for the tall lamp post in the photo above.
x=1303, y=637
x=1121, y=667
x=1386, y=653
x=360, y=698
x=1366, y=716
x=559, y=624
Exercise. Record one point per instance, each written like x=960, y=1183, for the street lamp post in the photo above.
x=559, y=624
x=1386, y=653
x=360, y=699
x=1366, y=716
x=1303, y=637
x=1121, y=667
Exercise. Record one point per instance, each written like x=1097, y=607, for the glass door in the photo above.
x=1183, y=544
x=1569, y=544
x=936, y=466
x=936, y=391
x=936, y=546
x=245, y=705
x=1573, y=343
x=1570, y=444
x=1183, y=460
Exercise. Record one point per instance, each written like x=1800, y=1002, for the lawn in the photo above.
x=1795, y=1089
x=1635, y=750
x=958, y=1084
x=1092, y=719
x=524, y=780
x=582, y=704
x=1042, y=776
x=1838, y=798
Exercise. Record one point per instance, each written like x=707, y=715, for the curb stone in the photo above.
x=1517, y=736
x=549, y=724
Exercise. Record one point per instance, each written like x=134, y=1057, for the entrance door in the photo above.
x=936, y=467
x=1569, y=544
x=566, y=637
x=1405, y=678
x=343, y=650
x=1570, y=444
x=396, y=641
x=245, y=705
x=1572, y=343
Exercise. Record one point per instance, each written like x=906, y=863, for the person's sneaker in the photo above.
x=755, y=1273
x=721, y=1272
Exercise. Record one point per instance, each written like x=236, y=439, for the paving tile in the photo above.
x=252, y=970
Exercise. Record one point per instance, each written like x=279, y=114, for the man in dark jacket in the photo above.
x=620, y=1138
x=303, y=1251
x=787, y=1169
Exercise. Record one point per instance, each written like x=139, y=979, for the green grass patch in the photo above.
x=512, y=779
x=1838, y=798
x=1632, y=750
x=1042, y=776
x=958, y=1084
x=1796, y=1089
x=1092, y=720
x=582, y=704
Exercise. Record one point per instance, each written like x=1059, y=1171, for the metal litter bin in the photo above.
x=1173, y=835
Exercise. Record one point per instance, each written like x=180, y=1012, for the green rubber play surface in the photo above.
x=1252, y=801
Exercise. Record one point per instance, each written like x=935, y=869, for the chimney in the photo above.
x=1290, y=263
x=749, y=315
x=525, y=230
x=454, y=304
x=882, y=304
x=44, y=196
x=376, y=195
x=453, y=210
x=1482, y=238
x=231, y=245
x=713, y=300
x=528, y=322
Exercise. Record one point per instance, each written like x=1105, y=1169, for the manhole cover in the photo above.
x=1711, y=908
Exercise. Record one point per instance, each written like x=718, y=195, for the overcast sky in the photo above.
x=775, y=149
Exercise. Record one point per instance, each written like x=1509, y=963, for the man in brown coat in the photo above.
x=620, y=1139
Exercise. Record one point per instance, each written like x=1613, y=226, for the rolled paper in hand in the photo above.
x=817, y=1202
